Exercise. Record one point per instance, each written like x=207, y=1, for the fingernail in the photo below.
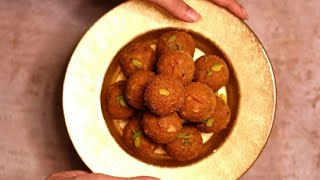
x=144, y=178
x=244, y=12
x=192, y=15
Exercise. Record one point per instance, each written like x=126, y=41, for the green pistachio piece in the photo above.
x=181, y=136
x=136, y=134
x=223, y=97
x=209, y=72
x=137, y=63
x=186, y=141
x=164, y=92
x=121, y=101
x=137, y=142
x=216, y=67
x=172, y=38
x=209, y=122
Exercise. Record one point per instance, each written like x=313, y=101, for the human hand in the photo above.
x=83, y=175
x=182, y=11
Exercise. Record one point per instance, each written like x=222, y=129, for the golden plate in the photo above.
x=251, y=92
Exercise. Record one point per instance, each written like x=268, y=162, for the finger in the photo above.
x=65, y=174
x=233, y=6
x=94, y=176
x=178, y=9
x=144, y=178
x=99, y=176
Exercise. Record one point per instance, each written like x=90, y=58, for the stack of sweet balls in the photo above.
x=174, y=94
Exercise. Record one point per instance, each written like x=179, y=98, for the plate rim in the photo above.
x=132, y=2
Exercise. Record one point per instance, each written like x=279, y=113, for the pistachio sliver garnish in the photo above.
x=136, y=134
x=216, y=67
x=223, y=97
x=121, y=101
x=172, y=38
x=209, y=122
x=186, y=141
x=137, y=63
x=181, y=136
x=171, y=128
x=209, y=72
x=137, y=142
x=164, y=92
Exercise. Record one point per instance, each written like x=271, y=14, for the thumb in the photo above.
x=99, y=176
x=178, y=9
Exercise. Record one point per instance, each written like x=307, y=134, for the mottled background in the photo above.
x=37, y=39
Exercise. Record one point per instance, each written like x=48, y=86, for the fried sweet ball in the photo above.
x=161, y=129
x=186, y=146
x=135, y=88
x=199, y=102
x=176, y=41
x=218, y=120
x=137, y=56
x=177, y=64
x=212, y=71
x=136, y=140
x=117, y=106
x=164, y=95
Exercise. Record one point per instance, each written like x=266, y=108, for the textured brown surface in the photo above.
x=38, y=38
x=290, y=32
